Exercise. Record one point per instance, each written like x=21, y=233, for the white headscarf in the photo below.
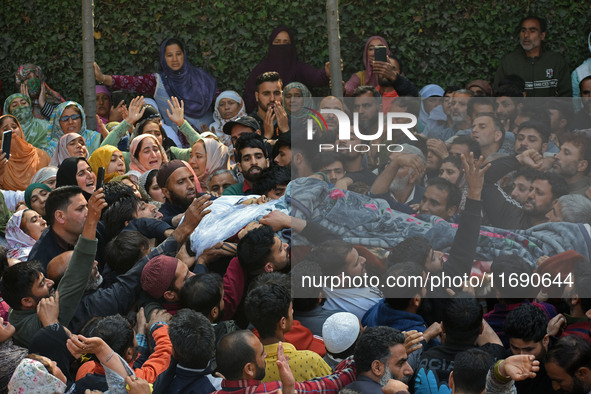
x=219, y=123
x=19, y=242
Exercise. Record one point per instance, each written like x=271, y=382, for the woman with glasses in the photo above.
x=67, y=118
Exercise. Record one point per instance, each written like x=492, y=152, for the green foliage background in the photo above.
x=444, y=42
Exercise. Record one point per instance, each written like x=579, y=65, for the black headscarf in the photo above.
x=66, y=173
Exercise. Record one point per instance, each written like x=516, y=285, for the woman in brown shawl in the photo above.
x=24, y=161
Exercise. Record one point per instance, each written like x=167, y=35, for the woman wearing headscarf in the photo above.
x=25, y=160
x=366, y=77
x=70, y=145
x=31, y=81
x=149, y=184
x=146, y=153
x=208, y=156
x=35, y=129
x=432, y=119
x=296, y=98
x=228, y=106
x=10, y=354
x=33, y=376
x=176, y=77
x=22, y=231
x=35, y=197
x=45, y=175
x=110, y=158
x=104, y=106
x=75, y=171
x=67, y=118
x=147, y=119
x=282, y=57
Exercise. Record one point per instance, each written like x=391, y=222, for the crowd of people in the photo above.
x=168, y=250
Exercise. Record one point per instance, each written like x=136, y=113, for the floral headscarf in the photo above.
x=62, y=153
x=134, y=163
x=35, y=130
x=219, y=123
x=102, y=158
x=92, y=138
x=32, y=377
x=19, y=242
x=51, y=96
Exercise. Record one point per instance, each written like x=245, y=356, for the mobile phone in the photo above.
x=380, y=53
x=6, y=141
x=100, y=177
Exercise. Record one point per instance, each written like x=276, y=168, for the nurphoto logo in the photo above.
x=346, y=126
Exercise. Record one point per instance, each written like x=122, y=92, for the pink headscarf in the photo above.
x=61, y=153
x=134, y=163
x=103, y=89
x=370, y=79
x=218, y=156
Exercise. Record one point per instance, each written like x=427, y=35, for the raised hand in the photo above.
x=268, y=127
x=519, y=367
x=136, y=110
x=96, y=204
x=25, y=90
x=281, y=115
x=385, y=70
x=98, y=74
x=106, y=80
x=412, y=340
x=48, y=309
x=556, y=325
x=285, y=373
x=115, y=115
x=102, y=129
x=474, y=173
x=408, y=160
x=438, y=147
x=176, y=113
x=531, y=158
x=327, y=68
x=42, y=94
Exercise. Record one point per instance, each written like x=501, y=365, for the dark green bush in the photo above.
x=443, y=42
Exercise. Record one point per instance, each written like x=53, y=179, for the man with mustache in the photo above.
x=545, y=73
x=177, y=182
x=251, y=158
x=380, y=356
x=568, y=366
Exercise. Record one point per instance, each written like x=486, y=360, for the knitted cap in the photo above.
x=167, y=169
x=158, y=275
x=340, y=331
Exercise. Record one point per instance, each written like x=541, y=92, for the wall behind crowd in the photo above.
x=448, y=43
